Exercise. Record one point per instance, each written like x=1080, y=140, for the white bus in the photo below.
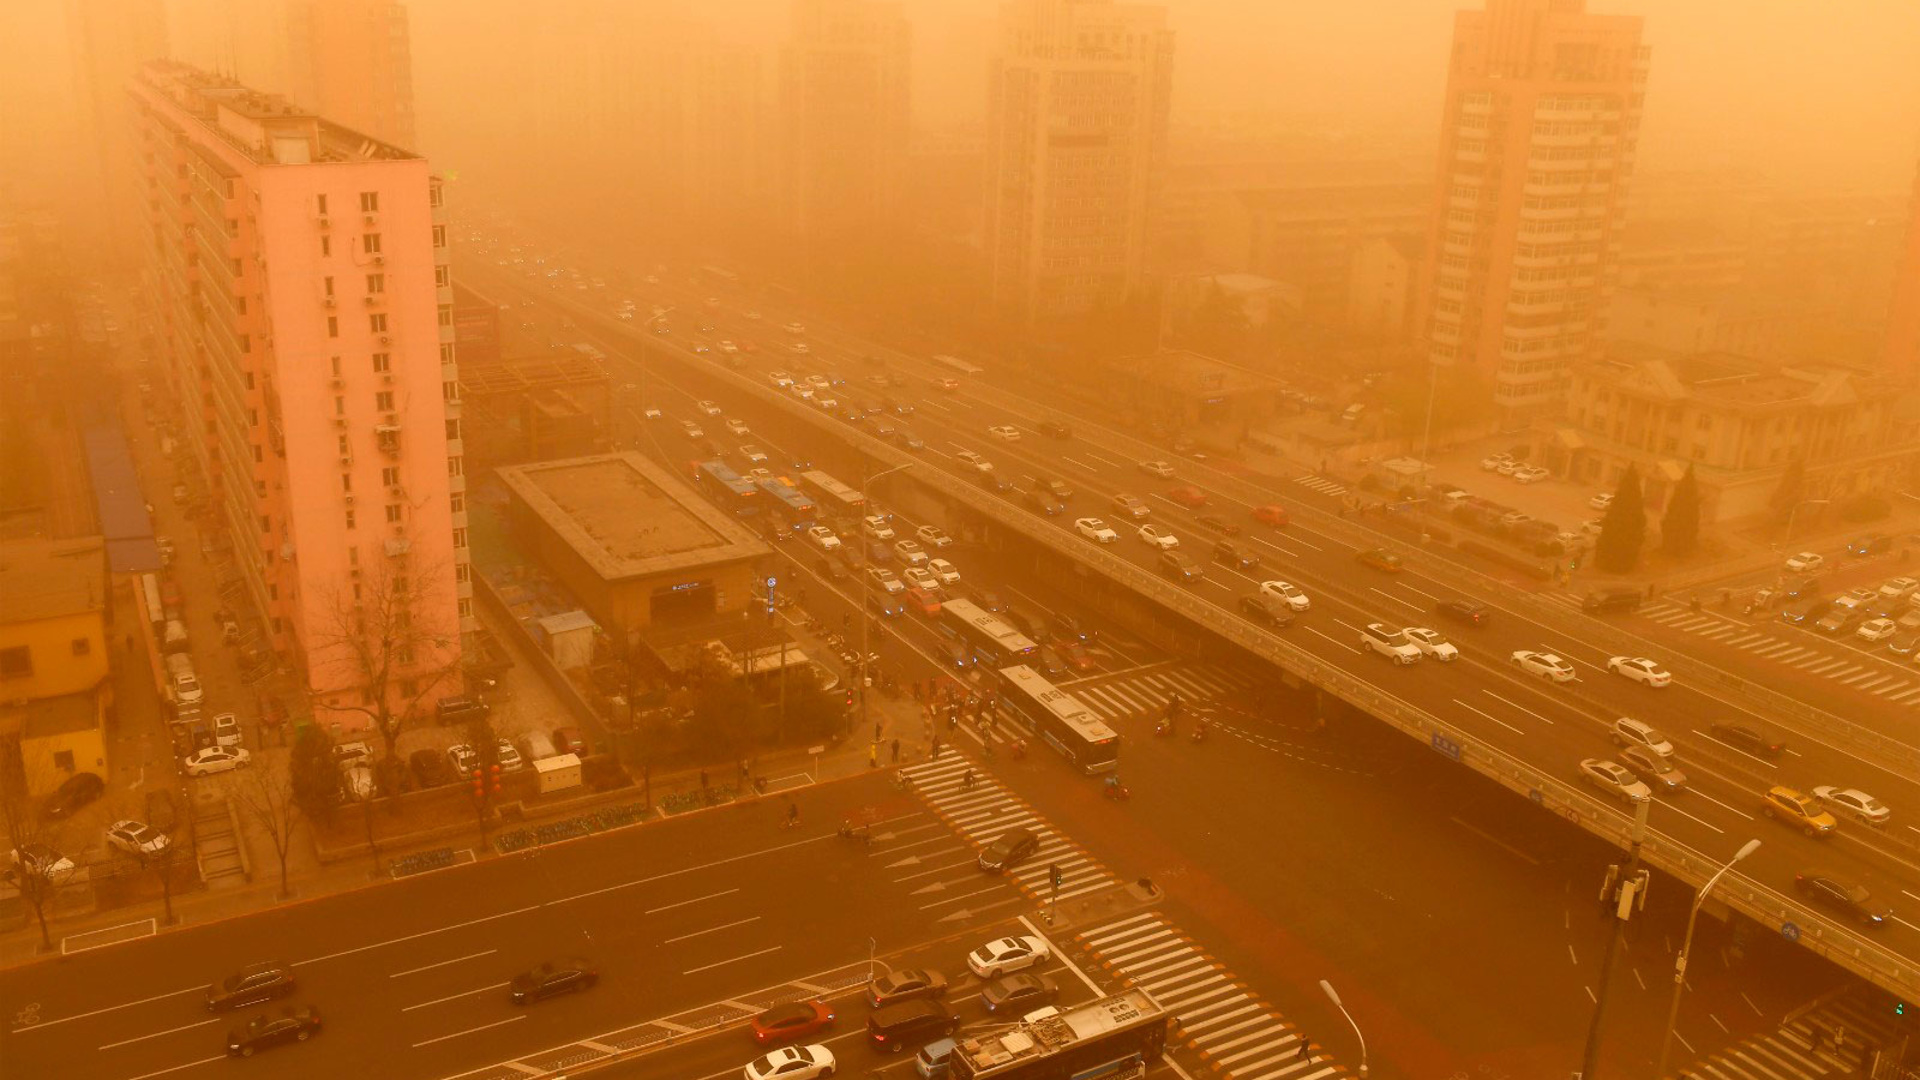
x=957, y=364
x=1062, y=720
x=993, y=642
x=833, y=494
x=1114, y=1038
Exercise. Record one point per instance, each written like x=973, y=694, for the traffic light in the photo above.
x=1053, y=874
x=849, y=697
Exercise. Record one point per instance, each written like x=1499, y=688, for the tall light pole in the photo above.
x=1686, y=945
x=1327, y=988
x=866, y=583
x=1625, y=890
x=1795, y=513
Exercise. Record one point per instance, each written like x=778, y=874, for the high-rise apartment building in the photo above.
x=843, y=120
x=108, y=40
x=1540, y=122
x=1076, y=153
x=1902, y=352
x=299, y=277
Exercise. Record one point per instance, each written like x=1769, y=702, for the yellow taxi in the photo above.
x=1786, y=804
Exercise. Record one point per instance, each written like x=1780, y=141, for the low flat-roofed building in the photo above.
x=632, y=542
x=53, y=618
x=1194, y=389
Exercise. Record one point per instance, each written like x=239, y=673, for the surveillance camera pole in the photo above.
x=1626, y=891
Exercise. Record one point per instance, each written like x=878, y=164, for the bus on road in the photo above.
x=1114, y=1038
x=727, y=489
x=1063, y=721
x=993, y=642
x=788, y=503
x=957, y=364
x=836, y=496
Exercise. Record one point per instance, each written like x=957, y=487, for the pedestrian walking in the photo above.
x=793, y=812
x=1305, y=1048
x=703, y=779
x=896, y=751
x=934, y=751
x=873, y=755
x=876, y=731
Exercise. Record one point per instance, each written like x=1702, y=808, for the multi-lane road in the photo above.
x=1551, y=726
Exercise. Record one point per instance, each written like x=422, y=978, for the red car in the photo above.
x=749, y=347
x=1075, y=655
x=1270, y=514
x=1193, y=498
x=924, y=601
x=794, y=1020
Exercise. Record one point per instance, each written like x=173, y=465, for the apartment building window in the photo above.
x=340, y=409
x=457, y=502
x=390, y=476
x=465, y=607
x=326, y=246
x=334, y=364
x=446, y=314
x=462, y=571
x=393, y=513
x=266, y=524
x=349, y=517
x=383, y=400
x=320, y=205
x=460, y=539
x=376, y=283
x=382, y=362
x=346, y=481
x=333, y=326
x=81, y=646
x=443, y=275
x=450, y=391
x=16, y=663
x=258, y=457
x=326, y=285
x=446, y=353
x=369, y=202
x=453, y=430
x=370, y=243
x=345, y=450
x=377, y=322
x=439, y=236
x=454, y=467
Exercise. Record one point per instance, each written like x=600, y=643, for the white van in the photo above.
x=536, y=746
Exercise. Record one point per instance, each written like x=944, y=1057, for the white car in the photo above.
x=44, y=861
x=1640, y=670
x=754, y=315
x=909, y=552
x=884, y=578
x=811, y=1062
x=753, y=454
x=799, y=347
x=794, y=328
x=1005, y=432
x=1805, y=562
x=226, y=730
x=1159, y=537
x=1390, y=643
x=933, y=536
x=215, y=759
x=1615, y=779
x=1876, y=629
x=1285, y=592
x=136, y=838
x=823, y=538
x=1855, y=803
x=692, y=429
x=186, y=688
x=876, y=527
x=780, y=379
x=820, y=381
x=1095, y=530
x=975, y=461
x=1431, y=643
x=1530, y=474
x=1493, y=462
x=997, y=957
x=652, y=412
x=1544, y=664
x=1157, y=468
x=945, y=571
x=1601, y=501
x=737, y=427
x=919, y=577
x=355, y=761
x=728, y=347
x=1898, y=588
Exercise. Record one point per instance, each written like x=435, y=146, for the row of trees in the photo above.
x=1623, y=529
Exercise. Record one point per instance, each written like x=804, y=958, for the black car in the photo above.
x=1019, y=993
x=1009, y=849
x=1871, y=544
x=1259, y=609
x=883, y=604
x=1177, y=566
x=1218, y=525
x=552, y=978
x=905, y=984
x=1057, y=488
x=1839, y=620
x=430, y=768
x=1851, y=897
x=1055, y=429
x=78, y=790
x=296, y=1024
x=1750, y=739
x=894, y=1027
x=1231, y=554
x=988, y=600
x=1049, y=664
x=1802, y=588
x=1044, y=502
x=1465, y=611
x=1612, y=601
x=995, y=482
x=251, y=985
x=1802, y=612
x=1064, y=626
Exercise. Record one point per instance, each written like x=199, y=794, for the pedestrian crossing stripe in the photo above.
x=1320, y=484
x=980, y=815
x=1802, y=1048
x=1219, y=1016
x=1150, y=691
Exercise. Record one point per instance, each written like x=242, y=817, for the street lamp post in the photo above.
x=1686, y=945
x=865, y=616
x=1794, y=515
x=1327, y=988
x=1625, y=891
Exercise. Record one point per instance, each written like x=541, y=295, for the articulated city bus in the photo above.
x=788, y=503
x=957, y=364
x=1063, y=721
x=726, y=488
x=836, y=496
x=1114, y=1038
x=993, y=642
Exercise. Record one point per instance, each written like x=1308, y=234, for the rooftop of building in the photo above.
x=558, y=366
x=627, y=517
x=1184, y=372
x=47, y=579
x=1733, y=380
x=43, y=718
x=292, y=135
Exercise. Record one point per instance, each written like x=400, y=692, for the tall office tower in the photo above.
x=1902, y=352
x=299, y=276
x=843, y=106
x=108, y=40
x=1076, y=153
x=1541, y=118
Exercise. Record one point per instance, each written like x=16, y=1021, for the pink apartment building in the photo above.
x=298, y=278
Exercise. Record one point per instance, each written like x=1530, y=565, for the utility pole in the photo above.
x=1626, y=890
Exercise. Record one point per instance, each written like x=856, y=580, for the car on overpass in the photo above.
x=1379, y=559
x=1640, y=670
x=1271, y=514
x=1544, y=664
x=1057, y=488
x=1659, y=771
x=1158, y=537
x=1466, y=611
x=1288, y=594
x=1157, y=468
x=1131, y=505
x=1630, y=732
x=1095, y=530
x=1854, y=803
x=1386, y=641
x=1264, y=608
x=1238, y=556
x=1747, y=738
x=1179, y=567
x=1799, y=810
x=1190, y=497
x=974, y=461
x=1044, y=502
x=1004, y=432
x=1843, y=894
x=1615, y=779
x=1432, y=643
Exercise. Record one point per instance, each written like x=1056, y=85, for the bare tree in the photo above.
x=34, y=867
x=268, y=796
x=381, y=632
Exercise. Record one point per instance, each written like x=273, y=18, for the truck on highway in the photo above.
x=1113, y=1038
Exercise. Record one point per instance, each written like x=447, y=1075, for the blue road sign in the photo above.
x=772, y=581
x=1446, y=746
x=1790, y=931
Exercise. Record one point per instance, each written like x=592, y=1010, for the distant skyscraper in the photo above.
x=843, y=107
x=298, y=279
x=1538, y=133
x=1076, y=152
x=352, y=62
x=108, y=41
x=1903, y=317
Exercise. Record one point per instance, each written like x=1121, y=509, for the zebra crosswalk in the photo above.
x=1875, y=672
x=1837, y=1036
x=1240, y=1035
x=1146, y=691
x=1321, y=484
x=985, y=810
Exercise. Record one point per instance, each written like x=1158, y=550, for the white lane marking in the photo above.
x=1404, y=603
x=1684, y=814
x=1341, y=644
x=470, y=1031
x=684, y=903
x=177, y=1068
x=453, y=997
x=1516, y=705
x=157, y=1034
x=421, y=934
x=712, y=929
x=1078, y=464
x=1422, y=592
x=1104, y=461
x=1698, y=794
x=733, y=960
x=194, y=989
x=443, y=963
x=1276, y=547
x=1490, y=716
